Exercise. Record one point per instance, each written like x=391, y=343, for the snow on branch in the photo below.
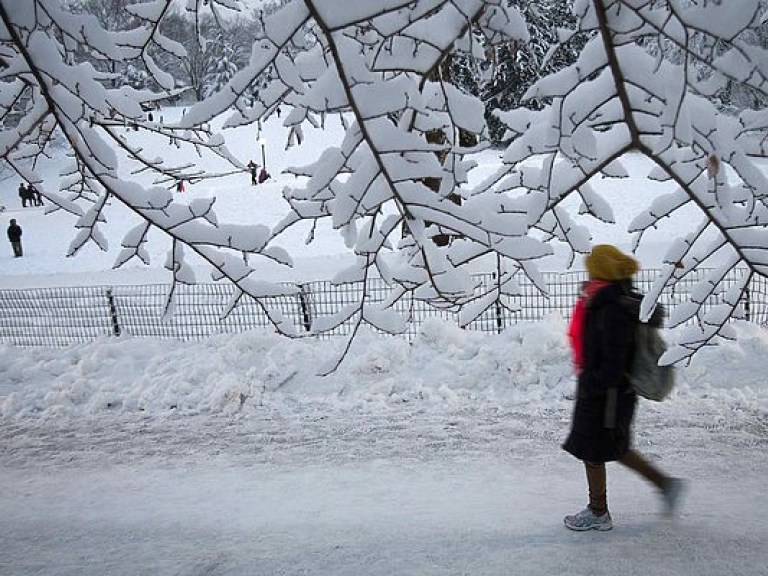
x=647, y=82
x=659, y=79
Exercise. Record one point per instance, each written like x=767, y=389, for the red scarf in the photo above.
x=576, y=326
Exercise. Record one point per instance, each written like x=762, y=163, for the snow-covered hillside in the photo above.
x=48, y=236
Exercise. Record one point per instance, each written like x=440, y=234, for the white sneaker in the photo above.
x=674, y=490
x=588, y=520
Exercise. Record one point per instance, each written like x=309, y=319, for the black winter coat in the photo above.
x=605, y=403
x=14, y=232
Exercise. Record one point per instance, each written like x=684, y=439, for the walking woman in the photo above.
x=602, y=338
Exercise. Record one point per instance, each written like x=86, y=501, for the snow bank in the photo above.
x=527, y=365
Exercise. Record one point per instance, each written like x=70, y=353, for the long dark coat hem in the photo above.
x=595, y=443
x=600, y=431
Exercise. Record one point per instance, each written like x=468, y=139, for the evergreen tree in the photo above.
x=515, y=66
x=221, y=65
x=136, y=77
x=737, y=96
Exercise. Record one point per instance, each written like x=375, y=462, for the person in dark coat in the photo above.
x=254, y=169
x=14, y=236
x=34, y=195
x=602, y=337
x=25, y=196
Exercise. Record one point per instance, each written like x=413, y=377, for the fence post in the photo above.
x=113, y=313
x=306, y=314
x=497, y=309
x=747, y=311
x=499, y=318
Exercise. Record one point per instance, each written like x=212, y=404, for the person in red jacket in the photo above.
x=601, y=334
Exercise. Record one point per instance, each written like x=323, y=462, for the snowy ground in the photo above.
x=442, y=457
x=231, y=457
x=346, y=493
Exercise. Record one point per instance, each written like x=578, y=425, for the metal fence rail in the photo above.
x=63, y=316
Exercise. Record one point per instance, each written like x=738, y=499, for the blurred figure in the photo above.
x=254, y=168
x=25, y=196
x=34, y=195
x=602, y=338
x=14, y=236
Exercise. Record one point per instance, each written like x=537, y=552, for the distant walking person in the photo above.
x=25, y=196
x=14, y=235
x=602, y=337
x=254, y=168
x=35, y=196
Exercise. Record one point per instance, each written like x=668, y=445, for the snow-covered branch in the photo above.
x=650, y=80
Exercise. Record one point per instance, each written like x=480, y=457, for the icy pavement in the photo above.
x=390, y=490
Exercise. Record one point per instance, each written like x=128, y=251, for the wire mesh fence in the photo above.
x=69, y=315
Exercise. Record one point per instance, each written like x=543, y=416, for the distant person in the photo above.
x=254, y=169
x=35, y=196
x=601, y=333
x=26, y=197
x=14, y=236
x=180, y=186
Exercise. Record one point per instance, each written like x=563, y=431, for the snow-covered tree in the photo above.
x=215, y=48
x=136, y=77
x=407, y=153
x=195, y=64
x=516, y=66
x=112, y=15
x=619, y=98
x=222, y=66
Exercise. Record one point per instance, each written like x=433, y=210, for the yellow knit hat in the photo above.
x=607, y=262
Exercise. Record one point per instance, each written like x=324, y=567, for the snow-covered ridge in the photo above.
x=527, y=365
